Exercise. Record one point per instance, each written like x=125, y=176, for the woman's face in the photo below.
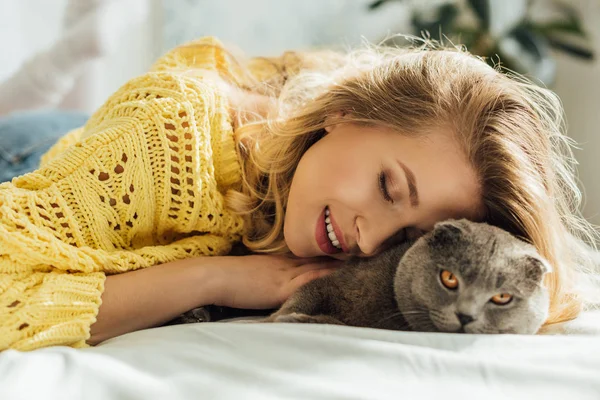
x=373, y=187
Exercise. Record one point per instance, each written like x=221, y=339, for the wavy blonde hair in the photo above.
x=510, y=130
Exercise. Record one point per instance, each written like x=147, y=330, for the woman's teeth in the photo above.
x=330, y=232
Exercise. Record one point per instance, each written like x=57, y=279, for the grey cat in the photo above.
x=460, y=277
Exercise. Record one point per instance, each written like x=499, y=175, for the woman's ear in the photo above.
x=332, y=120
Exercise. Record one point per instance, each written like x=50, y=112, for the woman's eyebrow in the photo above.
x=413, y=193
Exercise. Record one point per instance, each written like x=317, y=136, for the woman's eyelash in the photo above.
x=383, y=187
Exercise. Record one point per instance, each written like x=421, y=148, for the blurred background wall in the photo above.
x=268, y=27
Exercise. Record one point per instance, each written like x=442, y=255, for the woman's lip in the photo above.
x=338, y=233
x=322, y=237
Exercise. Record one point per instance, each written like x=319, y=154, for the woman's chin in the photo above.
x=298, y=249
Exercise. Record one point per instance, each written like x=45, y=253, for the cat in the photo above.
x=462, y=277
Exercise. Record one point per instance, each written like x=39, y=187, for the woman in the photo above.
x=302, y=157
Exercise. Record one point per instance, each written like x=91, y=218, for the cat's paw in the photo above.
x=299, y=318
x=295, y=318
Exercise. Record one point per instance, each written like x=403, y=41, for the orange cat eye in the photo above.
x=449, y=280
x=501, y=299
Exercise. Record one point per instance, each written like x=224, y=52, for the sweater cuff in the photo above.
x=229, y=171
x=60, y=312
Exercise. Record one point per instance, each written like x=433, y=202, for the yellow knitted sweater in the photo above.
x=141, y=183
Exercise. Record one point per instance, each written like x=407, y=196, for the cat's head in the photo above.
x=472, y=277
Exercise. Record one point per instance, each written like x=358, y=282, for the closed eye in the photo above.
x=382, y=178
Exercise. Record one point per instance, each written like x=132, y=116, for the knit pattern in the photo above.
x=141, y=184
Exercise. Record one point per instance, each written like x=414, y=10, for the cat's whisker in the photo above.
x=389, y=317
x=415, y=314
x=421, y=322
x=416, y=310
x=424, y=312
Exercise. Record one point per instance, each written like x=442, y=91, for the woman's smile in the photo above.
x=328, y=235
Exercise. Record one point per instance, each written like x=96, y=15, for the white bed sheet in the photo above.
x=283, y=361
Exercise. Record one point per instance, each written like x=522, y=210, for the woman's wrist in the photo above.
x=150, y=297
x=206, y=279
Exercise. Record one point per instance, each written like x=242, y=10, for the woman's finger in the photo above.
x=302, y=269
x=310, y=275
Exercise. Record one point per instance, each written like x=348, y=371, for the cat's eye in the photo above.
x=501, y=299
x=449, y=280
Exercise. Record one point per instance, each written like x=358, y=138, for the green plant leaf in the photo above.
x=531, y=41
x=465, y=36
x=574, y=50
x=550, y=27
x=378, y=3
x=571, y=24
x=482, y=10
x=442, y=24
x=573, y=17
x=447, y=14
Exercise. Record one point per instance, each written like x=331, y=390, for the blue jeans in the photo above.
x=26, y=136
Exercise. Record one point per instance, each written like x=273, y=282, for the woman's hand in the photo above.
x=264, y=281
x=152, y=296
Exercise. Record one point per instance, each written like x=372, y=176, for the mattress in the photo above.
x=298, y=361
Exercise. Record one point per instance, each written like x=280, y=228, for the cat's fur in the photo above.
x=401, y=289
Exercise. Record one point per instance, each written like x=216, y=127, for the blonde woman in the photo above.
x=307, y=159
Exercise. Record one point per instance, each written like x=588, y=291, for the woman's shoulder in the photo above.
x=205, y=53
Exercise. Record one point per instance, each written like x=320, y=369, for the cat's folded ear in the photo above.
x=447, y=232
x=536, y=267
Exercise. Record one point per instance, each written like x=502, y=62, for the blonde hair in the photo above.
x=511, y=132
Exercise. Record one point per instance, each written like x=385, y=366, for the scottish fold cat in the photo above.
x=460, y=277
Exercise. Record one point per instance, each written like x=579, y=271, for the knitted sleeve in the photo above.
x=61, y=145
x=146, y=186
x=206, y=53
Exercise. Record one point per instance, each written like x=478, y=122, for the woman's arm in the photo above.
x=149, y=297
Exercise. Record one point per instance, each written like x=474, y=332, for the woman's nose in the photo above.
x=378, y=237
x=380, y=226
x=368, y=248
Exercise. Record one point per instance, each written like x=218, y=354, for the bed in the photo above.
x=297, y=361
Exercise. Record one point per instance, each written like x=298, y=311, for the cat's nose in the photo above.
x=464, y=318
